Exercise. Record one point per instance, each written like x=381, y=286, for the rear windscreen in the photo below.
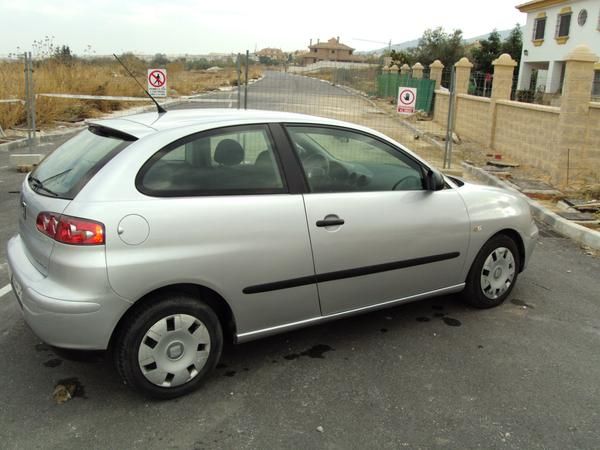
x=67, y=169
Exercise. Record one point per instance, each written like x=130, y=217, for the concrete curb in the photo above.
x=574, y=231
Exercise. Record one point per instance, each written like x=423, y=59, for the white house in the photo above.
x=553, y=29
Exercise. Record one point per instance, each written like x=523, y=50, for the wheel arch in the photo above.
x=203, y=293
x=518, y=240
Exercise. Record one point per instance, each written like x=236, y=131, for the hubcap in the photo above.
x=498, y=273
x=174, y=350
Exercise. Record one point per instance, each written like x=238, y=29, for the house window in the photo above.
x=563, y=25
x=596, y=85
x=539, y=27
x=582, y=17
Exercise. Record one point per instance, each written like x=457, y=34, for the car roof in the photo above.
x=140, y=125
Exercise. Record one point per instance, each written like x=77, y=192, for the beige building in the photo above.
x=332, y=50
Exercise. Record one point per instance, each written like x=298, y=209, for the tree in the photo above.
x=63, y=54
x=437, y=44
x=513, y=44
x=401, y=57
x=159, y=60
x=488, y=50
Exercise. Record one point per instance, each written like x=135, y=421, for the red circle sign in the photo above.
x=407, y=97
x=157, y=78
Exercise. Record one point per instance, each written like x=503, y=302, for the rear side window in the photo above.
x=67, y=169
x=234, y=160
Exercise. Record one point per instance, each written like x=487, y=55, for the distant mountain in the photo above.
x=409, y=44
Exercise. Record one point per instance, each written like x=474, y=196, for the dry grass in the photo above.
x=98, y=78
x=364, y=80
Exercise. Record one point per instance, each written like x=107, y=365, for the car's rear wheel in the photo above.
x=167, y=348
x=493, y=273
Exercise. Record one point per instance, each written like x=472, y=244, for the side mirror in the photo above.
x=435, y=180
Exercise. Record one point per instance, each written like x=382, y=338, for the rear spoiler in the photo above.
x=105, y=131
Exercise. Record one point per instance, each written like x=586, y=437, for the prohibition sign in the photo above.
x=407, y=97
x=157, y=78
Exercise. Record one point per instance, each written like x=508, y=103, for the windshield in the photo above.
x=68, y=168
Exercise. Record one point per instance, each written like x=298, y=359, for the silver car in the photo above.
x=158, y=236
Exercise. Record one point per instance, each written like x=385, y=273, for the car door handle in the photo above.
x=330, y=222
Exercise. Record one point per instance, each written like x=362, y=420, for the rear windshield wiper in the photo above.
x=37, y=184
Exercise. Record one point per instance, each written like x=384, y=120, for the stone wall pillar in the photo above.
x=436, y=69
x=463, y=73
x=405, y=69
x=417, y=70
x=504, y=68
x=574, y=111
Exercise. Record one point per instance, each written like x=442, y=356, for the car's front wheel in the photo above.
x=493, y=273
x=168, y=347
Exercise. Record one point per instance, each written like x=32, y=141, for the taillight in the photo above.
x=70, y=230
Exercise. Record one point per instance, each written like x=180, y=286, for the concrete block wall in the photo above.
x=471, y=116
x=518, y=137
x=591, y=158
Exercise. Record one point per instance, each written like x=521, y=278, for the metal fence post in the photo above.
x=29, y=100
x=450, y=123
x=246, y=80
x=32, y=93
x=239, y=79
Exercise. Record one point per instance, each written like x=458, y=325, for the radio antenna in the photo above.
x=160, y=109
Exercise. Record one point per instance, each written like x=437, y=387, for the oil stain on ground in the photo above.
x=316, y=351
x=519, y=302
x=55, y=362
x=452, y=322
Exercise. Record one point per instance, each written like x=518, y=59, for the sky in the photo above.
x=200, y=27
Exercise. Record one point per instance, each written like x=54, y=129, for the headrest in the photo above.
x=229, y=153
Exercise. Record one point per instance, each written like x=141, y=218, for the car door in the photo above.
x=377, y=234
x=218, y=211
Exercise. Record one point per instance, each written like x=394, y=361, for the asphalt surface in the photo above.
x=432, y=374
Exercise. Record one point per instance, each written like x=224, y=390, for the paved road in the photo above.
x=433, y=374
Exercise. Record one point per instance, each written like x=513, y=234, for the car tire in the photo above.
x=493, y=273
x=168, y=347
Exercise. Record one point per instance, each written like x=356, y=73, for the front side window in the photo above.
x=340, y=160
x=235, y=160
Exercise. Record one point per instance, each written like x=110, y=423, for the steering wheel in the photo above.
x=407, y=183
x=316, y=165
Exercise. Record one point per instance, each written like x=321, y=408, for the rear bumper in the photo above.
x=86, y=322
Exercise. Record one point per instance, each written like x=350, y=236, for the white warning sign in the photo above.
x=407, y=100
x=157, y=82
